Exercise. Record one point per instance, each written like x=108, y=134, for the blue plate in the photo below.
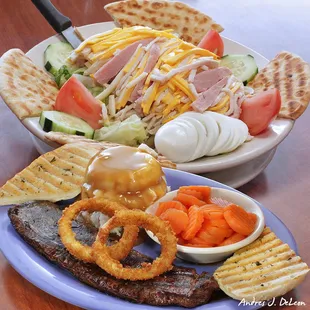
x=62, y=285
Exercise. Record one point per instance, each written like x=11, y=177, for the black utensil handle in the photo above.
x=58, y=21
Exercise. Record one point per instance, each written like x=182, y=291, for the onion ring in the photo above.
x=161, y=229
x=83, y=252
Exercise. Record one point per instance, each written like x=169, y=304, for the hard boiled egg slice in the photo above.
x=177, y=141
x=234, y=139
x=240, y=134
x=212, y=129
x=202, y=136
x=225, y=134
x=195, y=133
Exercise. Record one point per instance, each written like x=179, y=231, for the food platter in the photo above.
x=135, y=125
x=253, y=156
x=62, y=285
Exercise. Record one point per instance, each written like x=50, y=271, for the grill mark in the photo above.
x=26, y=184
x=288, y=86
x=42, y=182
x=63, y=174
x=256, y=278
x=75, y=158
x=76, y=168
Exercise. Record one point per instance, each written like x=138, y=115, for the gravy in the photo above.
x=125, y=174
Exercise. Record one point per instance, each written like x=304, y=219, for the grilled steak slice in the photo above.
x=36, y=222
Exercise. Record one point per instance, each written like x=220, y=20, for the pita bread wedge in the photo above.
x=189, y=23
x=26, y=89
x=264, y=269
x=64, y=138
x=291, y=75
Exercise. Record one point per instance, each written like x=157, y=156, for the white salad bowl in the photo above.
x=216, y=254
x=234, y=169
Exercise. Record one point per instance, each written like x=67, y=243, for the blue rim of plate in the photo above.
x=60, y=284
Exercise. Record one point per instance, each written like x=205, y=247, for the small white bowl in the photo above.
x=216, y=254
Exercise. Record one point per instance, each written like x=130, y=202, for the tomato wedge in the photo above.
x=213, y=42
x=259, y=111
x=75, y=99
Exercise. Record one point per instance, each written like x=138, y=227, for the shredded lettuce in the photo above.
x=65, y=73
x=96, y=91
x=130, y=132
x=62, y=75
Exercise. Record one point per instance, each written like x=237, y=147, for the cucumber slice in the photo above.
x=63, y=122
x=242, y=66
x=55, y=56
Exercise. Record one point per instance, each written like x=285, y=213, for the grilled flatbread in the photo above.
x=264, y=269
x=64, y=138
x=189, y=23
x=291, y=75
x=26, y=89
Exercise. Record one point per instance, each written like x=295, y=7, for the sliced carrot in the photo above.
x=213, y=215
x=212, y=207
x=233, y=239
x=191, y=192
x=205, y=190
x=253, y=217
x=199, y=243
x=178, y=219
x=221, y=223
x=205, y=236
x=238, y=219
x=230, y=232
x=188, y=200
x=181, y=241
x=163, y=206
x=218, y=234
x=195, y=222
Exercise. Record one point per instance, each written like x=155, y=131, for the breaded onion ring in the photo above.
x=83, y=252
x=161, y=229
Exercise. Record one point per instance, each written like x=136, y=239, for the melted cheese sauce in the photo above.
x=126, y=175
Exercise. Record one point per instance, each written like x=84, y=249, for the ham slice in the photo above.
x=207, y=98
x=150, y=64
x=206, y=79
x=114, y=66
x=203, y=61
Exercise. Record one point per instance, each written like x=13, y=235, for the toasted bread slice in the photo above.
x=264, y=269
x=189, y=23
x=291, y=75
x=54, y=176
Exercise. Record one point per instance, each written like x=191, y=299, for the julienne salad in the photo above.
x=131, y=85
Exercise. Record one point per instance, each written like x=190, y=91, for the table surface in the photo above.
x=266, y=26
